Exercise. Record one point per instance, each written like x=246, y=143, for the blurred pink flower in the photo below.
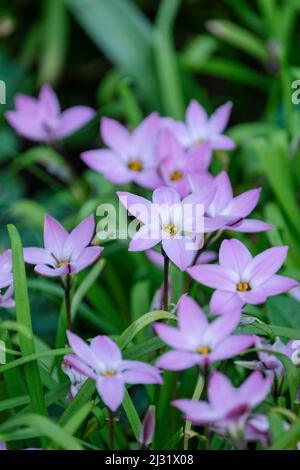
x=41, y=119
x=129, y=157
x=200, y=128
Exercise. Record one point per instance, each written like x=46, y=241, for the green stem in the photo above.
x=67, y=289
x=111, y=430
x=165, y=299
x=188, y=425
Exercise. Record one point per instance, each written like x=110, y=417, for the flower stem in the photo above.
x=188, y=425
x=111, y=430
x=67, y=289
x=165, y=299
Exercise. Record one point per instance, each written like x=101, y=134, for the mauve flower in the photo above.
x=174, y=222
x=76, y=378
x=177, y=165
x=6, y=276
x=257, y=429
x=147, y=428
x=102, y=361
x=6, y=298
x=227, y=407
x=196, y=342
x=64, y=253
x=241, y=278
x=269, y=363
x=235, y=209
x=129, y=157
x=41, y=119
x=200, y=128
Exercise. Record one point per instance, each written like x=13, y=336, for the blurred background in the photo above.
x=126, y=58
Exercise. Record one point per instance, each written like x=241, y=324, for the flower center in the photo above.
x=108, y=373
x=243, y=286
x=171, y=229
x=63, y=263
x=135, y=165
x=176, y=175
x=202, y=350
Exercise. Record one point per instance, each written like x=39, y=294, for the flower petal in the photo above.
x=278, y=285
x=49, y=101
x=234, y=255
x=55, y=236
x=179, y=251
x=141, y=377
x=243, y=204
x=219, y=119
x=107, y=163
x=198, y=412
x=44, y=270
x=192, y=320
x=114, y=135
x=106, y=351
x=34, y=255
x=146, y=237
x=220, y=328
x=196, y=116
x=264, y=265
x=81, y=349
x=87, y=257
x=177, y=360
x=111, y=390
x=214, y=276
x=171, y=336
x=251, y=226
x=73, y=119
x=166, y=196
x=221, y=393
x=222, y=142
x=140, y=207
x=223, y=302
x=231, y=346
x=79, y=238
x=145, y=133
x=255, y=388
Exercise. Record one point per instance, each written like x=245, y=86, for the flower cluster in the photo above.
x=188, y=210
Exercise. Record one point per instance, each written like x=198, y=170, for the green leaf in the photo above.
x=289, y=439
x=127, y=336
x=166, y=60
x=44, y=427
x=54, y=35
x=124, y=35
x=32, y=375
x=132, y=415
x=239, y=38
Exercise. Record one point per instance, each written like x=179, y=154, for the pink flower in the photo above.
x=6, y=298
x=76, y=378
x=241, y=278
x=199, y=128
x=64, y=253
x=227, y=407
x=177, y=165
x=174, y=222
x=6, y=276
x=234, y=210
x=102, y=361
x=41, y=119
x=129, y=157
x=147, y=428
x=196, y=342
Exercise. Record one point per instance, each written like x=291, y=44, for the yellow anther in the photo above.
x=202, y=350
x=176, y=175
x=243, y=287
x=135, y=165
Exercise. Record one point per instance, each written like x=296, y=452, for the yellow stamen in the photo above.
x=176, y=175
x=202, y=350
x=243, y=287
x=63, y=263
x=135, y=165
x=108, y=373
x=171, y=229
